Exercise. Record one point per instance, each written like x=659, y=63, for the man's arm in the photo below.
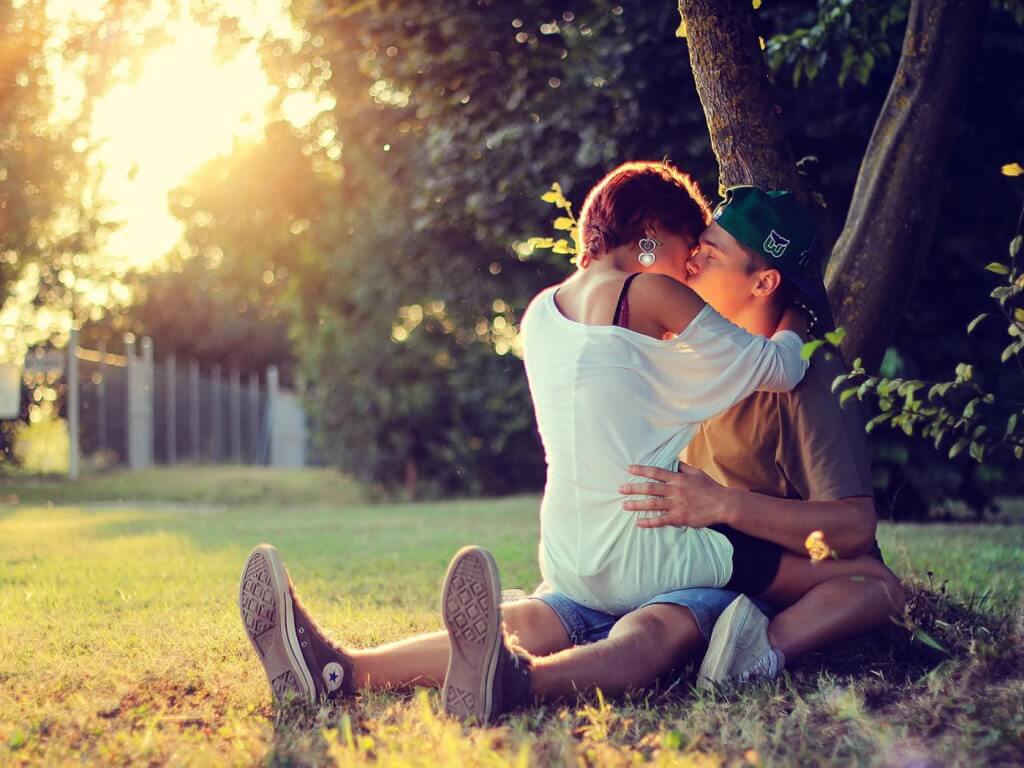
x=691, y=498
x=848, y=524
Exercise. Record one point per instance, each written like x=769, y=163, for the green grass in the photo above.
x=120, y=643
x=200, y=485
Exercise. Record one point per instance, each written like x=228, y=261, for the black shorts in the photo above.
x=755, y=562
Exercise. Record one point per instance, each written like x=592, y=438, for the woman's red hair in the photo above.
x=636, y=195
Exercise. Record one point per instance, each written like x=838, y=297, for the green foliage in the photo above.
x=959, y=413
x=405, y=310
x=846, y=36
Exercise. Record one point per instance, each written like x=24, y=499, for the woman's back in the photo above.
x=606, y=397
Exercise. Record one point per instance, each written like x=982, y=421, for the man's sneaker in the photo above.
x=739, y=647
x=298, y=658
x=485, y=678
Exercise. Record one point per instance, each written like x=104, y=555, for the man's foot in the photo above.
x=739, y=649
x=298, y=658
x=485, y=678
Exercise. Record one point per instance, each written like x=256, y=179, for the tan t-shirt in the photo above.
x=795, y=445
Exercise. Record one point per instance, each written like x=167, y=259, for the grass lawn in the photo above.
x=120, y=640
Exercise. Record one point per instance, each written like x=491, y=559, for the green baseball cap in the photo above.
x=775, y=225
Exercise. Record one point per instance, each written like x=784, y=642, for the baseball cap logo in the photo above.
x=775, y=244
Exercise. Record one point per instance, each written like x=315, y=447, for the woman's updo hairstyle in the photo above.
x=629, y=197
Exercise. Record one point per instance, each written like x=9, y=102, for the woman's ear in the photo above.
x=768, y=281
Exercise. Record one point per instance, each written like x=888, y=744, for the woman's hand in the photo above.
x=687, y=498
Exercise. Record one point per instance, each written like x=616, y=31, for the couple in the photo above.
x=647, y=568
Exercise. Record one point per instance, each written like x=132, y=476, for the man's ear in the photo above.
x=768, y=281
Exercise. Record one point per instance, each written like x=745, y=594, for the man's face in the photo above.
x=673, y=254
x=718, y=271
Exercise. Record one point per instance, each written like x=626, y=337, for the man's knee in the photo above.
x=669, y=627
x=877, y=575
x=895, y=591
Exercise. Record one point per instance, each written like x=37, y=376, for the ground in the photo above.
x=120, y=640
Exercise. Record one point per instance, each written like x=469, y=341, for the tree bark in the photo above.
x=891, y=220
x=732, y=82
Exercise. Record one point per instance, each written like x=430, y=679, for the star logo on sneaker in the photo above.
x=334, y=675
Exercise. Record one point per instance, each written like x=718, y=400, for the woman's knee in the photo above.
x=535, y=626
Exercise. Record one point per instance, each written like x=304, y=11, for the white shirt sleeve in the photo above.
x=722, y=363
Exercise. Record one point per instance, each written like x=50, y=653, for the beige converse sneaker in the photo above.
x=296, y=654
x=485, y=678
x=739, y=648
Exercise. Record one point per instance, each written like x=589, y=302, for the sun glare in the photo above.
x=183, y=109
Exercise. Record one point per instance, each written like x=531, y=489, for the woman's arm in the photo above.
x=772, y=365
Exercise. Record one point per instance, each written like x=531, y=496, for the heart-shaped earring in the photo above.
x=647, y=246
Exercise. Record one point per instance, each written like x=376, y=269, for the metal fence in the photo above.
x=131, y=410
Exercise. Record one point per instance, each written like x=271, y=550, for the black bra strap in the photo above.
x=622, y=300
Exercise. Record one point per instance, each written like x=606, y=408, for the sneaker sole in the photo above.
x=470, y=607
x=722, y=647
x=265, y=604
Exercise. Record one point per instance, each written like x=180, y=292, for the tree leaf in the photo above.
x=847, y=394
x=998, y=267
x=563, y=223
x=807, y=350
x=1015, y=246
x=1012, y=169
x=958, y=446
x=974, y=323
x=977, y=451
x=1011, y=350
x=1011, y=424
x=835, y=338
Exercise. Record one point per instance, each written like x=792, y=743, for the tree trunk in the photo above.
x=732, y=82
x=891, y=220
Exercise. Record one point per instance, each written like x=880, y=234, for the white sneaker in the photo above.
x=739, y=649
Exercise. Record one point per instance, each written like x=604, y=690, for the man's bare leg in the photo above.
x=836, y=609
x=824, y=602
x=642, y=646
x=423, y=659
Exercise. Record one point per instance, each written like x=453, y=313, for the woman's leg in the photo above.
x=799, y=575
x=423, y=659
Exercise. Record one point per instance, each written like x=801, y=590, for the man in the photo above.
x=564, y=648
x=777, y=465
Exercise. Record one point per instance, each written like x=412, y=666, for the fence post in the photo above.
x=193, y=407
x=273, y=390
x=172, y=416
x=101, y=406
x=216, y=417
x=236, y=416
x=73, y=403
x=130, y=381
x=254, y=419
x=148, y=390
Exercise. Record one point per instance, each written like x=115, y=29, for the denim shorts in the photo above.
x=585, y=625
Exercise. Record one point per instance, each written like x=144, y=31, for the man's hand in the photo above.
x=687, y=498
